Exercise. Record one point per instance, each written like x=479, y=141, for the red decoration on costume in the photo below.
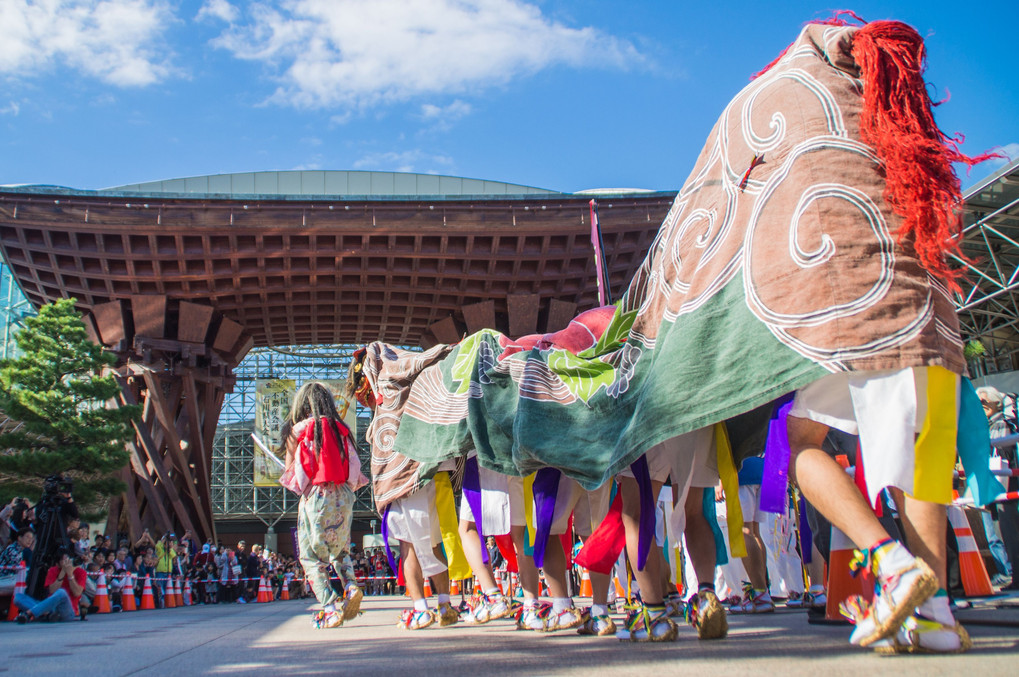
x=602, y=549
x=758, y=160
x=509, y=552
x=898, y=122
x=861, y=482
x=329, y=463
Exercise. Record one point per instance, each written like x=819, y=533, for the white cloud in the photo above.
x=117, y=41
x=453, y=111
x=1009, y=153
x=443, y=117
x=218, y=9
x=1010, y=150
x=406, y=161
x=13, y=108
x=361, y=53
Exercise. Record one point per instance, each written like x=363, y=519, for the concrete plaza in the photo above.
x=277, y=638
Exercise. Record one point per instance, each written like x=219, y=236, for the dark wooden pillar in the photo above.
x=176, y=360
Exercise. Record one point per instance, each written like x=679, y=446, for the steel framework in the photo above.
x=988, y=304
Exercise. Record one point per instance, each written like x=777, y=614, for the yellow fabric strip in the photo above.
x=730, y=485
x=529, y=508
x=935, y=447
x=445, y=506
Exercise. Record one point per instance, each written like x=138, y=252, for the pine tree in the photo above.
x=55, y=396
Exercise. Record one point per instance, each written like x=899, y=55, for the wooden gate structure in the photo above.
x=181, y=287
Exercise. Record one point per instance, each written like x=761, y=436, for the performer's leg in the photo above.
x=700, y=539
x=412, y=573
x=759, y=599
x=472, y=546
x=649, y=578
x=815, y=572
x=756, y=560
x=420, y=616
x=491, y=604
x=555, y=568
x=528, y=572
x=440, y=581
x=827, y=486
x=925, y=526
x=905, y=581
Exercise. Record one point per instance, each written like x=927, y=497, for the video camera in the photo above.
x=54, y=509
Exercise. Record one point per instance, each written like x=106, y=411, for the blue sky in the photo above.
x=562, y=95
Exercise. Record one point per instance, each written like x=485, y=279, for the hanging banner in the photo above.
x=273, y=398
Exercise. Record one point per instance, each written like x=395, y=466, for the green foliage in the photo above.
x=973, y=349
x=56, y=390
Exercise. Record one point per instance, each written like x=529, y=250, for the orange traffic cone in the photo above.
x=19, y=586
x=102, y=599
x=261, y=599
x=620, y=590
x=428, y=588
x=148, y=601
x=127, y=602
x=178, y=597
x=187, y=592
x=841, y=583
x=454, y=587
x=169, y=599
x=285, y=592
x=585, y=584
x=975, y=580
x=477, y=586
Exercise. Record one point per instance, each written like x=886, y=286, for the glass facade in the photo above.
x=234, y=495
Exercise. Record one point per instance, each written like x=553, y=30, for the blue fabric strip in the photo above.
x=973, y=440
x=708, y=507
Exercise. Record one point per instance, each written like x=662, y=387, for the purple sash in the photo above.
x=646, y=530
x=472, y=493
x=545, y=489
x=775, y=480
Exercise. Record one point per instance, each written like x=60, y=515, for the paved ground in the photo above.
x=277, y=638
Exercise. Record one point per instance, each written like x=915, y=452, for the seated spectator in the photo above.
x=114, y=585
x=20, y=550
x=82, y=544
x=64, y=583
x=121, y=562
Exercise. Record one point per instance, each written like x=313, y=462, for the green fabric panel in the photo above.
x=698, y=373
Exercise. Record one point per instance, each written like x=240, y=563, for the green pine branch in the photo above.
x=55, y=396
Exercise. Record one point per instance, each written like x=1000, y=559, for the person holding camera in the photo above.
x=64, y=584
x=12, y=520
x=166, y=555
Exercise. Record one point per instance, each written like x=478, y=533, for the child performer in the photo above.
x=323, y=467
